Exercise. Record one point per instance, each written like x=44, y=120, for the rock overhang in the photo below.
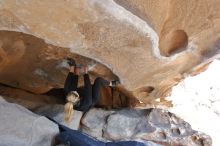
x=130, y=37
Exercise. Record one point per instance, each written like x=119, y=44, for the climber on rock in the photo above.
x=82, y=99
x=85, y=97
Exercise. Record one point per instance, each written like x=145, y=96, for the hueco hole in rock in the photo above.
x=109, y=73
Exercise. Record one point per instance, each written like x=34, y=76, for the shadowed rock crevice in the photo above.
x=154, y=125
x=174, y=42
x=28, y=63
x=27, y=99
x=57, y=96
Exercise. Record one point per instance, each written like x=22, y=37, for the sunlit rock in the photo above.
x=197, y=100
x=146, y=43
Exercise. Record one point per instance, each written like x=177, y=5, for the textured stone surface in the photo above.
x=27, y=99
x=144, y=42
x=30, y=64
x=95, y=122
x=56, y=112
x=155, y=125
x=129, y=124
x=20, y=127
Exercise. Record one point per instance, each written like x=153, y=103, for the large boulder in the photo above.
x=94, y=122
x=20, y=127
x=56, y=112
x=145, y=43
x=152, y=126
x=156, y=125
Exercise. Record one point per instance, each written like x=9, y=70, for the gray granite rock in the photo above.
x=21, y=127
x=94, y=121
x=159, y=118
x=56, y=112
x=149, y=125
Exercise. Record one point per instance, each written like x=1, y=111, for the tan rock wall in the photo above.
x=130, y=37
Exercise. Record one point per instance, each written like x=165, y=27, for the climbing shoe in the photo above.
x=71, y=62
x=114, y=83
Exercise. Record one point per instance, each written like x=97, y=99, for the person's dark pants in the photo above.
x=96, y=89
x=76, y=138
x=89, y=94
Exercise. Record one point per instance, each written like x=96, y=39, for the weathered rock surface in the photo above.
x=154, y=125
x=29, y=63
x=20, y=127
x=56, y=96
x=94, y=121
x=197, y=100
x=56, y=112
x=28, y=100
x=144, y=42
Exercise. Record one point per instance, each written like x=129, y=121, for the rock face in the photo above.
x=155, y=125
x=29, y=100
x=146, y=43
x=56, y=112
x=20, y=127
x=149, y=45
x=29, y=63
x=196, y=99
